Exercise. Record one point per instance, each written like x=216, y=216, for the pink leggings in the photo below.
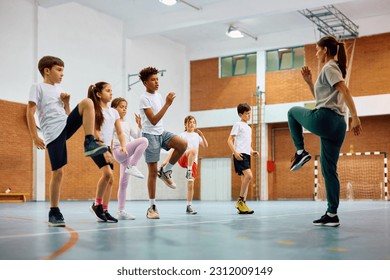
x=135, y=149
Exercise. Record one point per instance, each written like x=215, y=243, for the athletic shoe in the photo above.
x=123, y=215
x=190, y=211
x=110, y=219
x=248, y=211
x=243, y=208
x=166, y=177
x=97, y=210
x=189, y=176
x=327, y=221
x=299, y=160
x=56, y=219
x=152, y=213
x=92, y=148
x=133, y=171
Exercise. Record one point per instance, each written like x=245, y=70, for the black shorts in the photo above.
x=241, y=165
x=57, y=148
x=100, y=161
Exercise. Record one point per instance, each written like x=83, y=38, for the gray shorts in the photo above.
x=156, y=143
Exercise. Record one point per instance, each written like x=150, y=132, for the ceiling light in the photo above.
x=168, y=2
x=235, y=32
x=173, y=2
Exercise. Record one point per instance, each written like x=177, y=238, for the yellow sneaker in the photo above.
x=248, y=210
x=243, y=208
x=240, y=205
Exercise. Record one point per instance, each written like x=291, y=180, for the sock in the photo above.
x=152, y=201
x=54, y=209
x=168, y=167
x=299, y=152
x=105, y=207
x=189, y=203
x=98, y=201
x=89, y=137
x=241, y=198
x=331, y=214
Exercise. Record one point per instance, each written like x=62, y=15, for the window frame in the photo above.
x=281, y=52
x=234, y=59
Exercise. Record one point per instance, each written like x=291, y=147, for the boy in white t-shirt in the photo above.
x=240, y=143
x=58, y=124
x=152, y=110
x=189, y=159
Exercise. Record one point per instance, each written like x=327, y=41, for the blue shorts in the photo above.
x=156, y=143
x=57, y=148
x=241, y=165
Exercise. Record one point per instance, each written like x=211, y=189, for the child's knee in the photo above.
x=182, y=145
x=108, y=176
x=191, y=152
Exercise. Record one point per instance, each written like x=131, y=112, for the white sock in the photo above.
x=331, y=215
x=189, y=203
x=168, y=167
x=152, y=201
x=300, y=152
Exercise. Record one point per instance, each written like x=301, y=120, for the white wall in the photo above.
x=164, y=55
x=17, y=55
x=89, y=42
x=94, y=48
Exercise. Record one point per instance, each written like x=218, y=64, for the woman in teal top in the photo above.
x=332, y=96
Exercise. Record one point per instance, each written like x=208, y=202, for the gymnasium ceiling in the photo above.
x=276, y=23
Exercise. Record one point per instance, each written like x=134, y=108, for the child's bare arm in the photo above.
x=231, y=146
x=155, y=118
x=32, y=126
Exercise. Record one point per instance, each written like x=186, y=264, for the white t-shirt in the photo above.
x=129, y=133
x=193, y=140
x=154, y=101
x=243, y=137
x=108, y=127
x=50, y=109
x=327, y=96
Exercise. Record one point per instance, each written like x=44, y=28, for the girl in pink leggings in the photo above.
x=135, y=147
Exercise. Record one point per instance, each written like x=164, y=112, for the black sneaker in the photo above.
x=189, y=210
x=327, y=221
x=97, y=210
x=110, y=219
x=299, y=160
x=56, y=219
x=92, y=148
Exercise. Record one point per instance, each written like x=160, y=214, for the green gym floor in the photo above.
x=278, y=230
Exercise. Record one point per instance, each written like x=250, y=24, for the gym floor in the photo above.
x=278, y=230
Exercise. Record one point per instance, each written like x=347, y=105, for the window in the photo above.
x=237, y=65
x=283, y=59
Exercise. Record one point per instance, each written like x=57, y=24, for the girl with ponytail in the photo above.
x=327, y=120
x=107, y=120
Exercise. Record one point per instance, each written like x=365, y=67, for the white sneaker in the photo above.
x=189, y=177
x=123, y=215
x=133, y=170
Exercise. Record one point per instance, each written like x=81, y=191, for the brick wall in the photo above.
x=370, y=69
x=16, y=164
x=209, y=92
x=284, y=184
